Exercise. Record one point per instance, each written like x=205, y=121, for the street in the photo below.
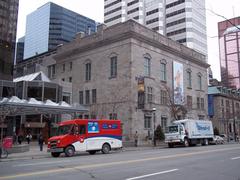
x=220, y=162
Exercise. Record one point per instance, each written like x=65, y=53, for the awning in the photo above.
x=14, y=106
x=40, y=76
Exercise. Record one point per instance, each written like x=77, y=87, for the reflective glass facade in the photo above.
x=229, y=47
x=8, y=26
x=51, y=25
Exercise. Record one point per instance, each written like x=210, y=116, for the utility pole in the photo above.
x=154, y=122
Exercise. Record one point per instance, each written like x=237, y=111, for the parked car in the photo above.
x=224, y=136
x=217, y=140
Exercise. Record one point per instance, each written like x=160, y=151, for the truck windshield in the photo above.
x=172, y=129
x=66, y=129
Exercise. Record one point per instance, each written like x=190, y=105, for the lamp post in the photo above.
x=154, y=122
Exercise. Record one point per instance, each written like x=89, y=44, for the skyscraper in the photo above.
x=181, y=20
x=8, y=27
x=229, y=48
x=51, y=25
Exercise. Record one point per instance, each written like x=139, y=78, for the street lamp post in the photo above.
x=154, y=122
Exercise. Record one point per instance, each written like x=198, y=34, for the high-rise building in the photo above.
x=52, y=25
x=229, y=48
x=181, y=20
x=20, y=49
x=8, y=27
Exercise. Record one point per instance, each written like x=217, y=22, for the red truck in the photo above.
x=88, y=135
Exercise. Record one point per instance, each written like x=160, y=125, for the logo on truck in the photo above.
x=202, y=128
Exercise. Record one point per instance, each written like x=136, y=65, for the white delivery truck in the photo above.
x=189, y=132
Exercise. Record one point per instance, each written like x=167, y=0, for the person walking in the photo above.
x=40, y=141
x=136, y=139
x=28, y=138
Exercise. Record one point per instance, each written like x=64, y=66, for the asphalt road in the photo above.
x=216, y=162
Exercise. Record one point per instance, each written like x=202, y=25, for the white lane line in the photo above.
x=154, y=174
x=40, y=163
x=235, y=158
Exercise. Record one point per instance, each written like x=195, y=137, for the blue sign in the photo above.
x=93, y=127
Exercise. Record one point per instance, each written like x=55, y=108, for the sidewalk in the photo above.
x=35, y=153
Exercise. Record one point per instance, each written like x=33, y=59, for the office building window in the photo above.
x=147, y=122
x=163, y=123
x=88, y=71
x=113, y=67
x=163, y=97
x=94, y=96
x=149, y=94
x=189, y=79
x=163, y=71
x=51, y=71
x=80, y=97
x=87, y=97
x=147, y=66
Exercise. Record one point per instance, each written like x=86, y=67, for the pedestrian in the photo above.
x=20, y=138
x=136, y=139
x=28, y=138
x=40, y=141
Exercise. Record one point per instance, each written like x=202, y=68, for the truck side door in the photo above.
x=80, y=137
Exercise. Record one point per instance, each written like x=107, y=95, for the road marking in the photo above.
x=235, y=158
x=61, y=170
x=40, y=163
x=153, y=174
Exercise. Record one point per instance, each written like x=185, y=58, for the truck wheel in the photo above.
x=106, y=148
x=186, y=143
x=55, y=154
x=92, y=152
x=69, y=151
x=170, y=145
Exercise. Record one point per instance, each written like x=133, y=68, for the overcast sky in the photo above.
x=94, y=9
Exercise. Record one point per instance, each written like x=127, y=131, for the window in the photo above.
x=94, y=96
x=189, y=102
x=152, y=21
x=66, y=97
x=163, y=97
x=189, y=79
x=147, y=122
x=63, y=68
x=80, y=97
x=163, y=71
x=149, y=94
x=87, y=97
x=70, y=79
x=63, y=79
x=82, y=129
x=147, y=66
x=198, y=103
x=202, y=103
x=51, y=71
x=163, y=123
x=113, y=116
x=88, y=71
x=70, y=66
x=199, y=82
x=113, y=67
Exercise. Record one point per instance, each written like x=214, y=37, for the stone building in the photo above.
x=132, y=73
x=224, y=109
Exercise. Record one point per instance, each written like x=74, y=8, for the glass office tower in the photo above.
x=229, y=47
x=52, y=25
x=8, y=27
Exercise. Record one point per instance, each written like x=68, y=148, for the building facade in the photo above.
x=52, y=25
x=224, y=109
x=132, y=73
x=181, y=20
x=20, y=49
x=8, y=27
x=229, y=50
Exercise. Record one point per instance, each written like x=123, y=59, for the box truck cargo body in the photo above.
x=189, y=132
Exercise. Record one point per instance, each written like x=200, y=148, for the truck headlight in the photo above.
x=58, y=141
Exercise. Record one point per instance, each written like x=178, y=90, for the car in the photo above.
x=224, y=136
x=217, y=140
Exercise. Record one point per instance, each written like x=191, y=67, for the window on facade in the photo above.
x=63, y=68
x=147, y=66
x=70, y=66
x=163, y=97
x=66, y=97
x=222, y=103
x=199, y=82
x=70, y=79
x=147, y=122
x=198, y=103
x=223, y=113
x=163, y=123
x=149, y=94
x=113, y=116
x=189, y=79
x=189, y=102
x=63, y=79
x=88, y=71
x=202, y=103
x=87, y=97
x=94, y=96
x=163, y=72
x=80, y=97
x=52, y=71
x=113, y=67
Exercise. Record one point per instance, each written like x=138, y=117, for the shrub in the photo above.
x=159, y=135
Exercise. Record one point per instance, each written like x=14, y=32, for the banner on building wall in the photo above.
x=178, y=83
